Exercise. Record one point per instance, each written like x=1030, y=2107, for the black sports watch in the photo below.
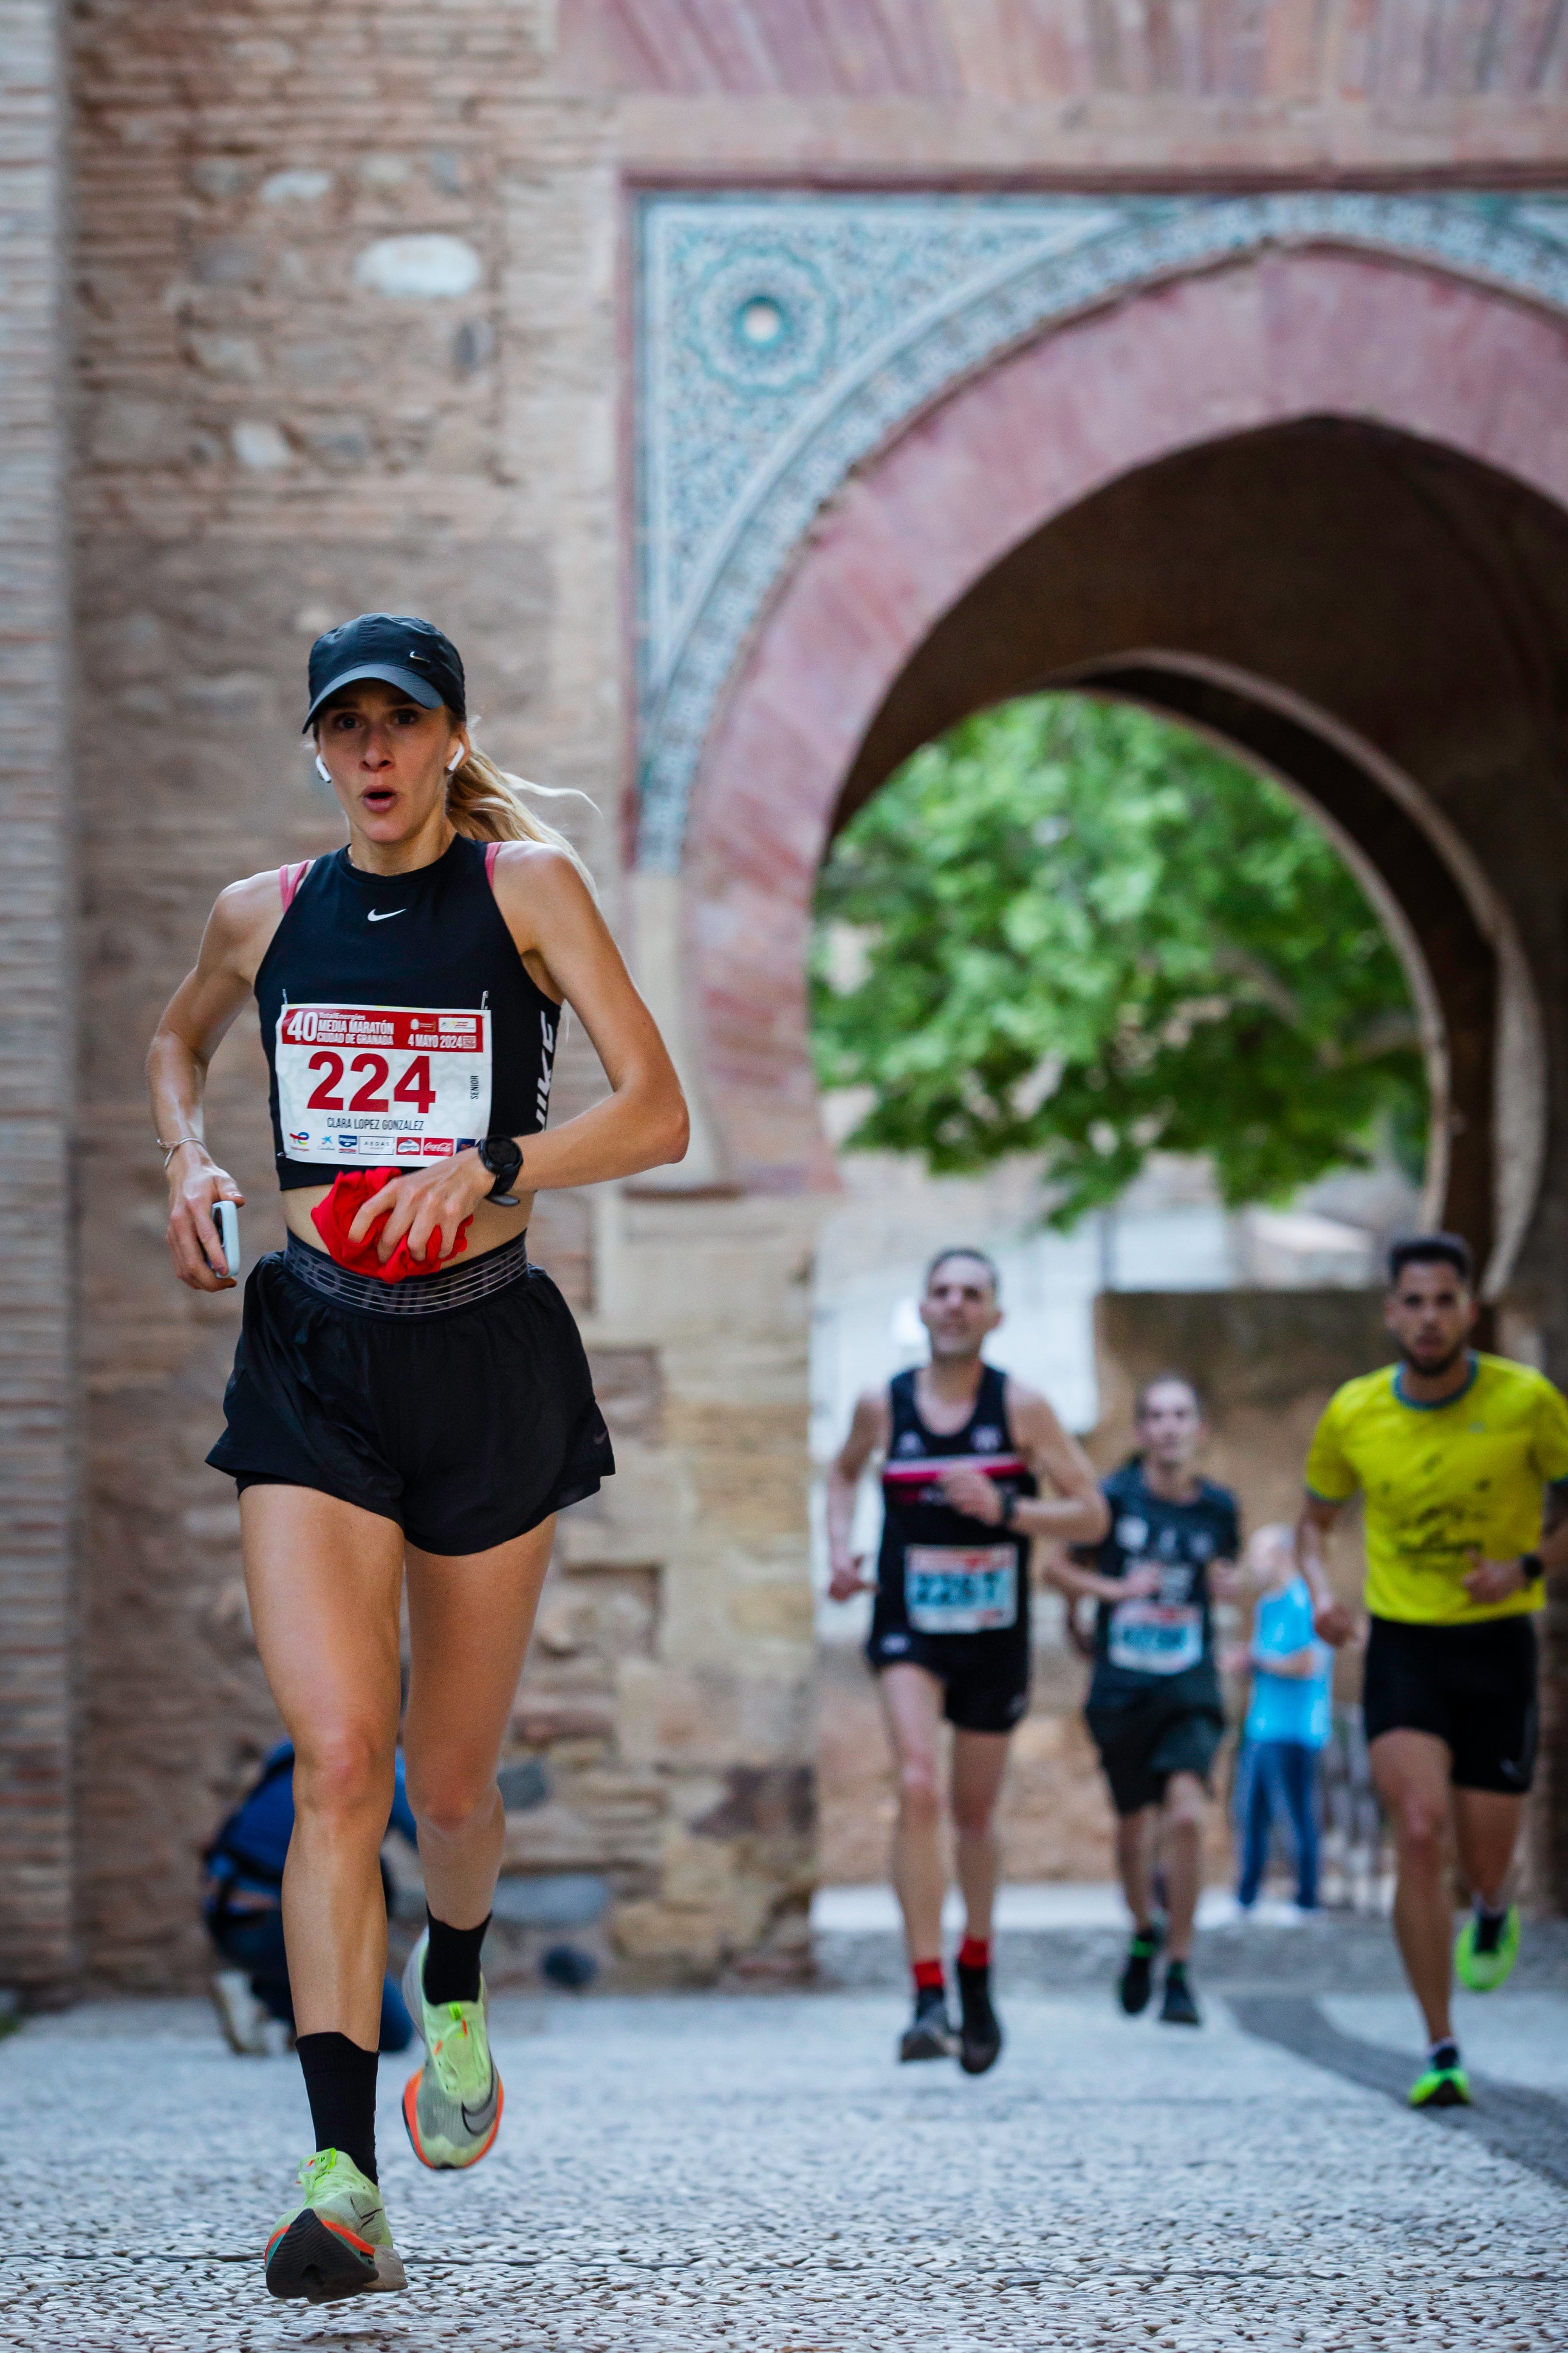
x=1009, y=1510
x=1532, y=1566
x=502, y=1156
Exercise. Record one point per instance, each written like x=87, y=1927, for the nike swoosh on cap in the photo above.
x=372, y=917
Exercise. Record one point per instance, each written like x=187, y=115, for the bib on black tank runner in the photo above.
x=940, y=1572
x=953, y=1593
x=399, y=1021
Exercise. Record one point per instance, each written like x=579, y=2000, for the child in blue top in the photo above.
x=1288, y=1721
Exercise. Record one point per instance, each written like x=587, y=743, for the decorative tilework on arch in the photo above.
x=781, y=338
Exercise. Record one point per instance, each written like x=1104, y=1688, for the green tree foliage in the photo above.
x=1071, y=928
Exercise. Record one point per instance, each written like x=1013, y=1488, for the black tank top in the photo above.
x=399, y=1023
x=939, y=1571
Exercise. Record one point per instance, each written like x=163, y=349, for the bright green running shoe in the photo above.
x=1486, y=1948
x=335, y=2242
x=1442, y=2084
x=452, y=2106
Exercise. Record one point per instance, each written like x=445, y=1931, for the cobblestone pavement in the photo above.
x=754, y=2174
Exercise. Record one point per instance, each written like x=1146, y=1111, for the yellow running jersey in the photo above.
x=1441, y=1481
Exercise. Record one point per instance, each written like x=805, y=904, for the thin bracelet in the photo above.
x=176, y=1146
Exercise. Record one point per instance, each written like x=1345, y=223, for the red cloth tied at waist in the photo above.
x=334, y=1216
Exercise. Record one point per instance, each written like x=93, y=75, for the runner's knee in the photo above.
x=343, y=1773
x=919, y=1793
x=1184, y=1808
x=1421, y=1830
x=972, y=1817
x=450, y=1800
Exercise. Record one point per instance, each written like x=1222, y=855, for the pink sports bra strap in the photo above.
x=492, y=851
x=290, y=878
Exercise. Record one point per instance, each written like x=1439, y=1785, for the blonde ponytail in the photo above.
x=486, y=804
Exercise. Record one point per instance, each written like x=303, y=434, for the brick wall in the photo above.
x=37, y=1060
x=36, y=1057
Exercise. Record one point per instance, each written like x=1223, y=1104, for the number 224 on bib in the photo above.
x=381, y=1083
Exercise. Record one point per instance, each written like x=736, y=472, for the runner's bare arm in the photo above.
x=1077, y=1513
x=1079, y=1583
x=566, y=947
x=869, y=1430
x=1489, y=1581
x=193, y=1024
x=1333, y=1620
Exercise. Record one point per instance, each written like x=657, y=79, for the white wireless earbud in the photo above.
x=455, y=763
x=323, y=770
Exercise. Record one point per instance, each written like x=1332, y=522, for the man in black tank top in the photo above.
x=963, y=1447
x=1155, y=1710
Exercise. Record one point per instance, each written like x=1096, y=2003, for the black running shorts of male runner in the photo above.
x=1470, y=1686
x=1146, y=1733
x=458, y=1404
x=984, y=1678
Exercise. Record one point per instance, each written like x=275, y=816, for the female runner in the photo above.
x=410, y=1398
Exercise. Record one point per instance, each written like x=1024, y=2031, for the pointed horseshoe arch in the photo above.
x=1313, y=503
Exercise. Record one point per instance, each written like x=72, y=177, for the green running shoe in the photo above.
x=335, y=2242
x=1486, y=1948
x=1136, y=1982
x=452, y=2106
x=1442, y=2084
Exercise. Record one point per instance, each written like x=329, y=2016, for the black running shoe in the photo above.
x=979, y=2038
x=1179, y=2007
x=927, y=2034
x=1137, y=1980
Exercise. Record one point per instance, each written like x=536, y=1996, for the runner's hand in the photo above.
x=1136, y=1586
x=848, y=1578
x=1334, y=1623
x=973, y=1494
x=428, y=1205
x=1494, y=1580
x=196, y=1182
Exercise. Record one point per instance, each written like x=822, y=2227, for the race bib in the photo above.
x=370, y=1084
x=1156, y=1637
x=961, y=1590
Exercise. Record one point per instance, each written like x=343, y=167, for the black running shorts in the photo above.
x=1146, y=1732
x=984, y=1678
x=459, y=1404
x=1471, y=1686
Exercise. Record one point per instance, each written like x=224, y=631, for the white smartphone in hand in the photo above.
x=226, y=1217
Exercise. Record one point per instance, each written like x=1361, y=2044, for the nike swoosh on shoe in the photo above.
x=477, y=2119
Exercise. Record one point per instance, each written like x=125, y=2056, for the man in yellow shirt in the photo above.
x=1455, y=1454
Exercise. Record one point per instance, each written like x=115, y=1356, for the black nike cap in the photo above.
x=397, y=649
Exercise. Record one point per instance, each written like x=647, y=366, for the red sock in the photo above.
x=974, y=1953
x=927, y=1976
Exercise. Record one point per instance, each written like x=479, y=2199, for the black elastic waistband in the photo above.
x=421, y=1294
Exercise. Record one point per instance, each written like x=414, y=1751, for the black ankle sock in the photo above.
x=452, y=1961
x=340, y=2084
